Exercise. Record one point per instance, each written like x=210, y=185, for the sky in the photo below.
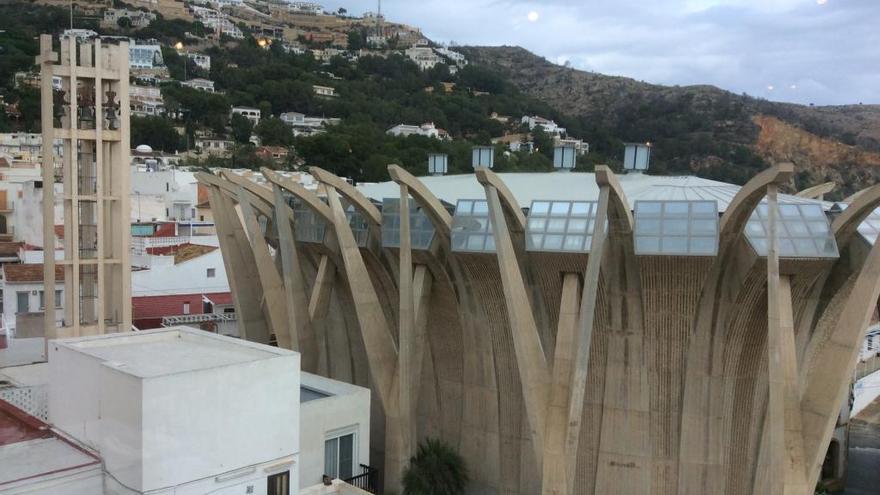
x=825, y=52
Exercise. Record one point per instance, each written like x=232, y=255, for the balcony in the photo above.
x=368, y=480
x=6, y=206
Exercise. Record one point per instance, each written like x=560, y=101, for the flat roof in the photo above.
x=29, y=449
x=168, y=351
x=572, y=186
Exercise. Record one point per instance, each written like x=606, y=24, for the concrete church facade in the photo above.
x=631, y=334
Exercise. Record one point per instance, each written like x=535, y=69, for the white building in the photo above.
x=306, y=126
x=145, y=56
x=427, y=129
x=456, y=58
x=173, y=191
x=423, y=56
x=146, y=100
x=23, y=294
x=335, y=438
x=252, y=114
x=307, y=8
x=201, y=60
x=27, y=146
x=109, y=410
x=200, y=84
x=28, y=216
x=139, y=18
x=548, y=125
x=122, y=396
x=326, y=91
x=214, y=146
x=80, y=34
x=581, y=147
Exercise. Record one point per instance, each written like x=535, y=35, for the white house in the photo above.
x=145, y=56
x=423, y=56
x=307, y=8
x=200, y=84
x=579, y=145
x=304, y=125
x=175, y=191
x=325, y=91
x=178, y=409
x=201, y=60
x=427, y=129
x=548, y=125
x=214, y=146
x=252, y=114
x=23, y=295
x=138, y=18
x=146, y=100
x=335, y=437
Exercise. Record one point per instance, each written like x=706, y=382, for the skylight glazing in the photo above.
x=561, y=226
x=421, y=230
x=802, y=231
x=307, y=226
x=471, y=227
x=359, y=226
x=870, y=227
x=676, y=228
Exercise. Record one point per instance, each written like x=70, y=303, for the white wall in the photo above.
x=162, y=189
x=320, y=418
x=10, y=300
x=28, y=215
x=190, y=277
x=195, y=428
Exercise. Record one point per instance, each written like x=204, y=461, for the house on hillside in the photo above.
x=250, y=113
x=427, y=129
x=23, y=296
x=324, y=91
x=200, y=84
x=547, y=125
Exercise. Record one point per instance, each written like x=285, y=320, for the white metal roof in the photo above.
x=530, y=186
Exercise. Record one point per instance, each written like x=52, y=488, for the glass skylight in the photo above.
x=802, y=231
x=358, y=224
x=561, y=226
x=683, y=228
x=870, y=227
x=471, y=227
x=421, y=230
x=307, y=226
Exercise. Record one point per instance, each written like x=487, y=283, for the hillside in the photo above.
x=840, y=143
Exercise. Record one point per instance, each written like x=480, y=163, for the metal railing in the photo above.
x=170, y=321
x=368, y=480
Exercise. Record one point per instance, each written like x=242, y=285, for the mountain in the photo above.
x=704, y=129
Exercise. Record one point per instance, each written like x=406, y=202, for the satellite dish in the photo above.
x=144, y=148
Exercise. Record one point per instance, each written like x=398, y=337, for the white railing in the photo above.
x=139, y=245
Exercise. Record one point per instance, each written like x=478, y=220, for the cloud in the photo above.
x=828, y=51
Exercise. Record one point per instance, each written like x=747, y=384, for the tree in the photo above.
x=356, y=40
x=436, y=469
x=342, y=11
x=274, y=132
x=241, y=128
x=156, y=132
x=124, y=22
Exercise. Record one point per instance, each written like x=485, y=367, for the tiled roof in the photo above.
x=182, y=252
x=29, y=272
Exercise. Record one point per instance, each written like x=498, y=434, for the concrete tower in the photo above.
x=90, y=114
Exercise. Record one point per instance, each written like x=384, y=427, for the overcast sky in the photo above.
x=820, y=51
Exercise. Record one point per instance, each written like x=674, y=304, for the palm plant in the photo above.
x=436, y=469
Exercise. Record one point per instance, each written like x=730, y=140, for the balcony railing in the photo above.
x=368, y=480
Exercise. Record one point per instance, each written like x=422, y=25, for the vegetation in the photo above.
x=436, y=469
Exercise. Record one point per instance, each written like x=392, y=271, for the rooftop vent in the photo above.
x=483, y=156
x=637, y=157
x=564, y=158
x=438, y=163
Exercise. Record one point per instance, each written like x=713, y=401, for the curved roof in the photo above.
x=529, y=186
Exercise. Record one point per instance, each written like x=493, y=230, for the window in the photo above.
x=212, y=272
x=802, y=231
x=421, y=229
x=278, y=484
x=471, y=227
x=186, y=308
x=339, y=458
x=561, y=226
x=58, y=299
x=687, y=228
x=22, y=300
